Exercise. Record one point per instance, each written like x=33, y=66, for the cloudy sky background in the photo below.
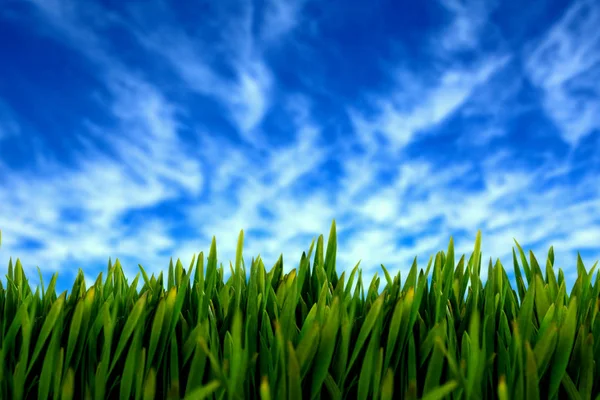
x=139, y=130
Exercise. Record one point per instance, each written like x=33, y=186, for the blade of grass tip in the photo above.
x=47, y=327
x=387, y=387
x=474, y=354
x=68, y=386
x=502, y=389
x=339, y=286
x=311, y=248
x=19, y=375
x=199, y=275
x=9, y=338
x=41, y=281
x=211, y=269
x=518, y=277
x=464, y=281
x=378, y=372
x=303, y=271
x=19, y=276
x=394, y=329
x=45, y=384
x=547, y=321
x=190, y=343
x=331, y=253
x=326, y=348
x=365, y=377
x=411, y=279
x=332, y=388
x=132, y=321
x=412, y=359
x=58, y=368
x=204, y=391
x=145, y=277
x=76, y=320
x=535, y=266
x=150, y=385
x=197, y=367
x=178, y=305
x=365, y=329
x=265, y=391
x=214, y=363
x=318, y=259
x=294, y=379
x=570, y=388
x=10, y=269
x=191, y=267
x=200, y=357
x=238, y=359
x=531, y=376
x=108, y=327
x=564, y=346
x=544, y=348
x=238, y=263
x=524, y=261
x=441, y=392
x=434, y=369
x=139, y=374
x=388, y=278
x=452, y=364
x=348, y=290
x=586, y=380
x=587, y=280
x=551, y=255
x=307, y=348
x=475, y=270
x=156, y=329
x=128, y=375
x=171, y=275
x=525, y=317
x=281, y=388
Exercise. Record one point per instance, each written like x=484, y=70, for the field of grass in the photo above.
x=309, y=334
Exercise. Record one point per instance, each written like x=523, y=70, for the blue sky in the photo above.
x=139, y=130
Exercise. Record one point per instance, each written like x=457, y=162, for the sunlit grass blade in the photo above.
x=441, y=392
x=566, y=336
x=326, y=347
x=365, y=329
x=305, y=332
x=204, y=391
x=47, y=327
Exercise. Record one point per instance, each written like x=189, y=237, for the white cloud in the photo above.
x=152, y=165
x=250, y=106
x=565, y=64
x=404, y=116
x=281, y=17
x=424, y=200
x=469, y=19
x=246, y=91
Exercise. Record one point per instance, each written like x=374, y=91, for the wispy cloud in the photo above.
x=565, y=64
x=246, y=97
x=189, y=144
x=416, y=106
x=280, y=18
x=246, y=90
x=469, y=20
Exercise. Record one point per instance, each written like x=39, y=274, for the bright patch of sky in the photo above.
x=138, y=130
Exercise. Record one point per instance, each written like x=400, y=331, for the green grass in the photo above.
x=306, y=334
